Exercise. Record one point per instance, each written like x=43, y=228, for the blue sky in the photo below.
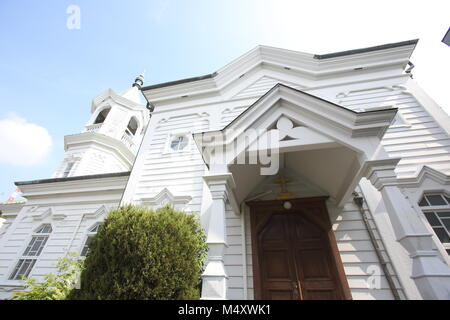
x=50, y=74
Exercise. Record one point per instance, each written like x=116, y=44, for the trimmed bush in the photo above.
x=144, y=254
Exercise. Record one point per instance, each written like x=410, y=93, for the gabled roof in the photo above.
x=365, y=119
x=315, y=65
x=334, y=121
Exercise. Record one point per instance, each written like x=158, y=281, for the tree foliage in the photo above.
x=55, y=286
x=142, y=254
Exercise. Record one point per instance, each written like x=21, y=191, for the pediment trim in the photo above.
x=50, y=212
x=103, y=210
x=423, y=173
x=340, y=124
x=166, y=197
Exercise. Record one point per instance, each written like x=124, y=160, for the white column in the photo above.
x=214, y=277
x=431, y=274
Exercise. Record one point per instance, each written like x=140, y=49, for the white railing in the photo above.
x=128, y=141
x=93, y=127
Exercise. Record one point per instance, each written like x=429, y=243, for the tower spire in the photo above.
x=139, y=81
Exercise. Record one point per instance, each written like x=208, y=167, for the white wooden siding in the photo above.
x=180, y=172
x=422, y=142
x=58, y=241
x=262, y=85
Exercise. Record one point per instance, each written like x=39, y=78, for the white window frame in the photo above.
x=437, y=209
x=173, y=135
x=89, y=234
x=26, y=256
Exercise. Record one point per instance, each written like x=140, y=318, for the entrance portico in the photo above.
x=331, y=147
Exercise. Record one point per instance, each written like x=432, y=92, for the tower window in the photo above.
x=436, y=208
x=102, y=116
x=68, y=169
x=132, y=127
x=34, y=249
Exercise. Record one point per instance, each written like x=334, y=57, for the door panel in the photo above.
x=295, y=259
x=277, y=264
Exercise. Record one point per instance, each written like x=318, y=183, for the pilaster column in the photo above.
x=214, y=277
x=431, y=274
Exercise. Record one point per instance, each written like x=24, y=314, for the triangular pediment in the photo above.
x=304, y=118
x=165, y=197
x=102, y=211
x=49, y=212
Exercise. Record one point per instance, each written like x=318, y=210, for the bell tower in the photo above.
x=110, y=138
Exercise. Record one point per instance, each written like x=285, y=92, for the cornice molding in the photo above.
x=380, y=172
x=112, y=144
x=73, y=187
x=303, y=64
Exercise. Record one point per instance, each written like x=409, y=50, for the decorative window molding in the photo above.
x=103, y=210
x=165, y=197
x=47, y=213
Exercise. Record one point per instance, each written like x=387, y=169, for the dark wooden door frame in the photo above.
x=265, y=209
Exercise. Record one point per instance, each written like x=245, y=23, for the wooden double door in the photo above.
x=295, y=252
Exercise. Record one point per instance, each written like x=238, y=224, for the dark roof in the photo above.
x=316, y=56
x=172, y=83
x=93, y=176
x=363, y=50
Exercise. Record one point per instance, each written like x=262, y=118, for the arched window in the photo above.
x=90, y=235
x=33, y=250
x=132, y=126
x=436, y=208
x=102, y=116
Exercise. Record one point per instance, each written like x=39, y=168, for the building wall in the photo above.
x=71, y=207
x=414, y=136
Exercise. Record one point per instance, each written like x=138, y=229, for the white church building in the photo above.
x=314, y=176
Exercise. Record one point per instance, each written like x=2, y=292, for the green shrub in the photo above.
x=55, y=286
x=144, y=254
